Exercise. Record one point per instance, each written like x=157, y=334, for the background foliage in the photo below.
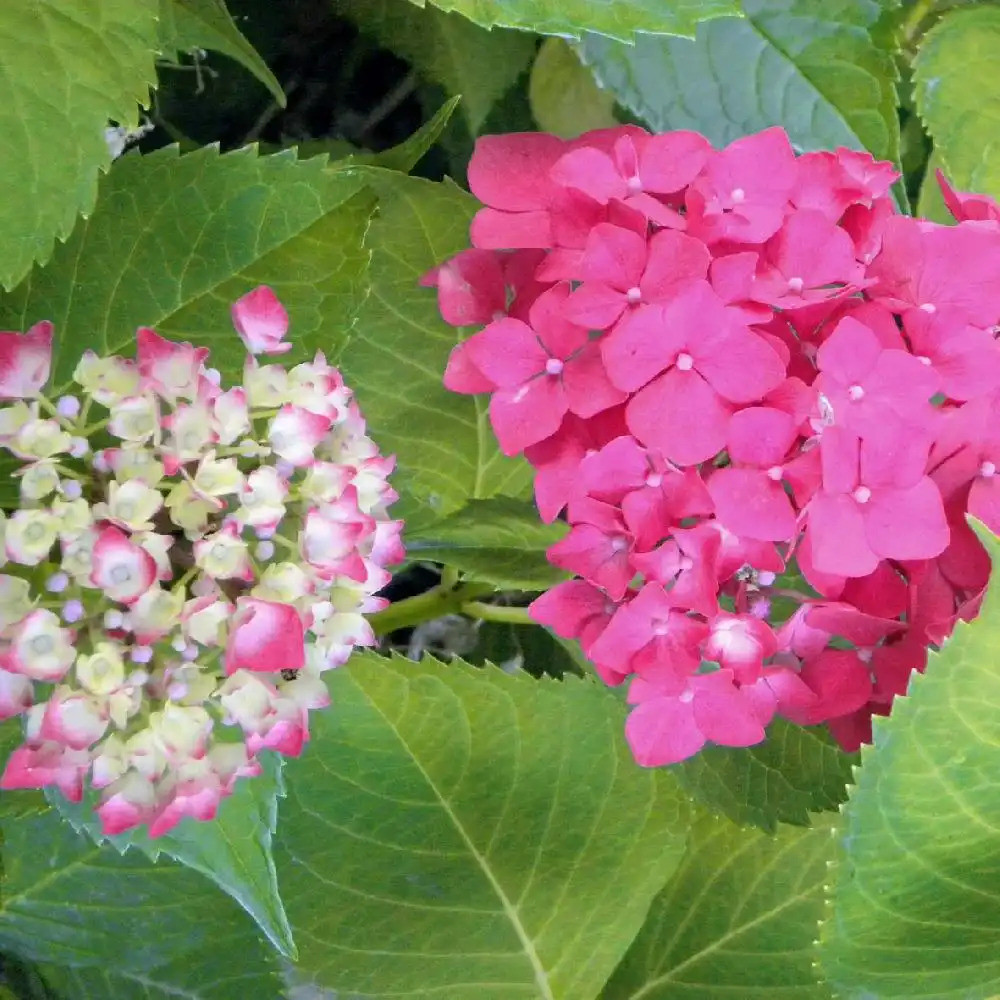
x=458, y=829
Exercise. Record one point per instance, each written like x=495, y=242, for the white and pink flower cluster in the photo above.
x=185, y=562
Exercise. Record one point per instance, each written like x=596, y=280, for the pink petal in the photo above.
x=261, y=322
x=675, y=260
x=641, y=346
x=670, y=161
x=507, y=352
x=908, y=523
x=265, y=637
x=751, y=505
x=592, y=172
x=511, y=172
x=662, y=731
x=527, y=414
x=585, y=380
x=761, y=436
x=494, y=230
x=850, y=352
x=681, y=415
x=614, y=256
x=25, y=361
x=840, y=545
x=595, y=305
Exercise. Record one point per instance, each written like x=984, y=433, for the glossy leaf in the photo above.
x=795, y=771
x=234, y=850
x=176, y=239
x=397, y=354
x=616, y=18
x=456, y=832
x=738, y=919
x=915, y=902
x=207, y=24
x=68, y=902
x=68, y=67
x=811, y=66
x=500, y=541
x=958, y=95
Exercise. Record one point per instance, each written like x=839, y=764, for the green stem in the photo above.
x=434, y=603
x=497, y=613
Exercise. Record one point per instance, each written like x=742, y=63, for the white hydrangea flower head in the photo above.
x=186, y=561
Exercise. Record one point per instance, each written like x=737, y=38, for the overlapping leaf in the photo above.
x=811, y=66
x=794, y=772
x=207, y=24
x=958, y=95
x=456, y=832
x=176, y=239
x=738, y=919
x=397, y=355
x=66, y=67
x=915, y=906
x=447, y=49
x=68, y=902
x=234, y=850
x=616, y=18
x=499, y=540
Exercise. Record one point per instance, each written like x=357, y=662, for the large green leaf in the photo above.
x=66, y=67
x=176, y=239
x=447, y=49
x=930, y=204
x=207, y=24
x=455, y=832
x=958, y=95
x=915, y=904
x=500, y=541
x=571, y=18
x=397, y=355
x=794, y=772
x=737, y=920
x=68, y=902
x=811, y=66
x=234, y=850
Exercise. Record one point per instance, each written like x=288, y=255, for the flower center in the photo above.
x=795, y=284
x=856, y=392
x=737, y=195
x=554, y=366
x=654, y=479
x=634, y=295
x=42, y=645
x=120, y=574
x=685, y=362
x=862, y=494
x=987, y=470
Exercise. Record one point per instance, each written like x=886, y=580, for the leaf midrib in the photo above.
x=509, y=909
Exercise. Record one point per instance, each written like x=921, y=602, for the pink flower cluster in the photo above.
x=185, y=562
x=764, y=402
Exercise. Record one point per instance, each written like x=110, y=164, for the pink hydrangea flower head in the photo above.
x=763, y=401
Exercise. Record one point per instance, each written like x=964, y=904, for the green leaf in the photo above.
x=207, y=24
x=811, y=66
x=621, y=19
x=234, y=850
x=565, y=98
x=500, y=541
x=68, y=67
x=737, y=920
x=176, y=239
x=958, y=95
x=447, y=49
x=412, y=150
x=794, y=772
x=396, y=358
x=455, y=832
x=915, y=903
x=68, y=902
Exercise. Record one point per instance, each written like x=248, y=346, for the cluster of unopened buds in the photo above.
x=184, y=564
x=763, y=400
